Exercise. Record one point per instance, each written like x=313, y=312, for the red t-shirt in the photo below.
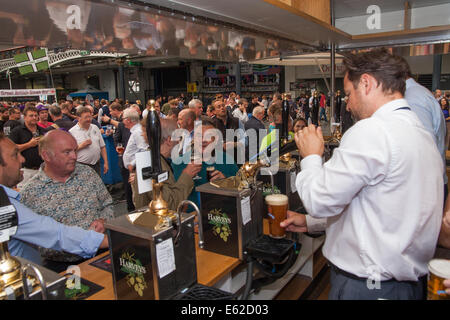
x=45, y=126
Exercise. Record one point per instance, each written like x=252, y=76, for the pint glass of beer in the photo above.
x=439, y=270
x=120, y=149
x=277, y=205
x=209, y=171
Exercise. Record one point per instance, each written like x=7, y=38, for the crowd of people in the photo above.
x=390, y=166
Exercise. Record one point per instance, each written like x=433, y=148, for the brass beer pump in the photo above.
x=158, y=206
x=14, y=279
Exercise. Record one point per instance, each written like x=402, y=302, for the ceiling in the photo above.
x=300, y=60
x=260, y=16
x=352, y=8
x=282, y=21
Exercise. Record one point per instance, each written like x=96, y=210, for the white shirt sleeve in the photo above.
x=315, y=225
x=361, y=159
x=129, y=152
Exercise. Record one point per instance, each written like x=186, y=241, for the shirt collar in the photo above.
x=409, y=82
x=391, y=106
x=81, y=128
x=136, y=127
x=11, y=193
x=41, y=175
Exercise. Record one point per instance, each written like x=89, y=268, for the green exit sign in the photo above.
x=85, y=52
x=135, y=64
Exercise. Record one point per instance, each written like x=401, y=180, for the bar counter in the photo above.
x=211, y=267
x=227, y=273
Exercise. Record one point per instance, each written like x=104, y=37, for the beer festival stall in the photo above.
x=228, y=243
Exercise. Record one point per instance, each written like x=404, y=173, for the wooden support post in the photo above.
x=407, y=16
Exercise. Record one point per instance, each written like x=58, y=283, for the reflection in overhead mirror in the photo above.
x=88, y=25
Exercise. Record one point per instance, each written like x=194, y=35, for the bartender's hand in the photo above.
x=309, y=141
x=295, y=222
x=447, y=286
x=217, y=175
x=192, y=169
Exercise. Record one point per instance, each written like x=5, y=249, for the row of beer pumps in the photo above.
x=153, y=250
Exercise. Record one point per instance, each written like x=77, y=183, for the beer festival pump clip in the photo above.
x=14, y=279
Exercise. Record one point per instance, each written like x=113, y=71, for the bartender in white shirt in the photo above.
x=381, y=192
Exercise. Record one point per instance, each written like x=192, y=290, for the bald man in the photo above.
x=66, y=190
x=186, y=121
x=34, y=229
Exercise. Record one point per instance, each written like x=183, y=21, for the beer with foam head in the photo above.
x=277, y=205
x=209, y=171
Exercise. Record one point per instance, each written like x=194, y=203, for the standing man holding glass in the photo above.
x=27, y=137
x=90, y=141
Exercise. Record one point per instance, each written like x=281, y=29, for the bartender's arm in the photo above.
x=297, y=222
x=327, y=189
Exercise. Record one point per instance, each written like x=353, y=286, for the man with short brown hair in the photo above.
x=381, y=191
x=27, y=137
x=13, y=120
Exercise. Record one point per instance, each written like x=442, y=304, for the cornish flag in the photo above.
x=32, y=61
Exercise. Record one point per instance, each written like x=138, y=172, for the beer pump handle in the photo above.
x=288, y=147
x=154, y=139
x=153, y=130
x=285, y=118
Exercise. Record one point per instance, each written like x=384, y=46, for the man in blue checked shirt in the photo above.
x=36, y=230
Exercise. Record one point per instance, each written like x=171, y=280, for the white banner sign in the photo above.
x=27, y=92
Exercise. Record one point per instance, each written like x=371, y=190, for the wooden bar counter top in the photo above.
x=211, y=267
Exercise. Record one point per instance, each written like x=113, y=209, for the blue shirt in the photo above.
x=37, y=230
x=423, y=103
x=446, y=114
